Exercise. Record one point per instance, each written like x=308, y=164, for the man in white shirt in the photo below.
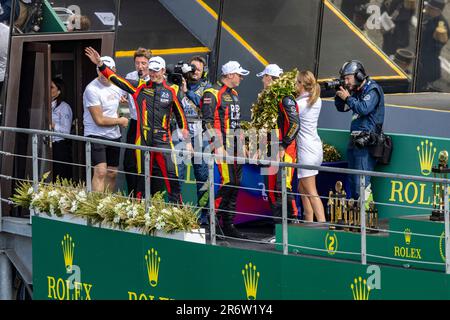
x=100, y=118
x=141, y=58
x=4, y=43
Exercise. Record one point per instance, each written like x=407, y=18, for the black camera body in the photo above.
x=334, y=84
x=363, y=140
x=176, y=73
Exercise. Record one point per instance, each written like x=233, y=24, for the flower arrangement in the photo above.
x=265, y=109
x=65, y=197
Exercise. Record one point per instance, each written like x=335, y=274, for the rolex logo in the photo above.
x=426, y=156
x=360, y=289
x=153, y=260
x=251, y=278
x=68, y=248
x=407, y=236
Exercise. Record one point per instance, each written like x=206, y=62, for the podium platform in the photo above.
x=413, y=242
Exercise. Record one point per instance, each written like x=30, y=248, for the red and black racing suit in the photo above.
x=288, y=125
x=221, y=113
x=155, y=103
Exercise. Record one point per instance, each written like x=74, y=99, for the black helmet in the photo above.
x=353, y=67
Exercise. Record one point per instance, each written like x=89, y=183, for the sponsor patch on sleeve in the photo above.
x=367, y=97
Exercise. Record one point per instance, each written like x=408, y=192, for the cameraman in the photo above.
x=193, y=85
x=365, y=98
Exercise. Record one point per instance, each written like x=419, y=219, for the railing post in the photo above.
x=148, y=191
x=88, y=167
x=447, y=230
x=284, y=210
x=6, y=279
x=212, y=211
x=35, y=167
x=1, y=205
x=362, y=203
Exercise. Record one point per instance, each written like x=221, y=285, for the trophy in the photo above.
x=372, y=218
x=353, y=213
x=337, y=206
x=330, y=208
x=441, y=171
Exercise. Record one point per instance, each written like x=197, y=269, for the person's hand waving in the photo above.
x=93, y=55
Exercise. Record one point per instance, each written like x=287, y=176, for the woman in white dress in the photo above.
x=309, y=145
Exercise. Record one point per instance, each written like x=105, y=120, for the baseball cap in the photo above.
x=234, y=67
x=272, y=70
x=156, y=63
x=108, y=61
x=438, y=4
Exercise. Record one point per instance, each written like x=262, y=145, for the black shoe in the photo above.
x=231, y=231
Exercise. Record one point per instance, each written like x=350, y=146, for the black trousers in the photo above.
x=129, y=160
x=62, y=151
x=225, y=201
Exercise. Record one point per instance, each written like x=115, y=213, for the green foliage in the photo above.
x=265, y=109
x=330, y=153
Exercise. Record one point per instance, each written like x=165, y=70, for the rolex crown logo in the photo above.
x=68, y=248
x=360, y=289
x=153, y=260
x=407, y=236
x=426, y=156
x=251, y=278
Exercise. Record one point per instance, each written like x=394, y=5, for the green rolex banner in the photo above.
x=76, y=262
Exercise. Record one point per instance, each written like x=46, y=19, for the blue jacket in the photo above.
x=6, y=8
x=367, y=105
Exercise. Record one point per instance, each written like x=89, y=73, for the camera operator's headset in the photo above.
x=356, y=68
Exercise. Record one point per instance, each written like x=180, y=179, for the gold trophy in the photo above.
x=330, y=209
x=441, y=171
x=337, y=206
x=372, y=218
x=353, y=214
x=441, y=34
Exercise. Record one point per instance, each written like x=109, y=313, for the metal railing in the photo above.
x=210, y=160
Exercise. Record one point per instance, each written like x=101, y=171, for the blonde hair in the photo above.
x=309, y=82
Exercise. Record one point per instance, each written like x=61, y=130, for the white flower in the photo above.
x=116, y=219
x=148, y=220
x=160, y=225
x=74, y=206
x=165, y=211
x=53, y=193
x=52, y=209
x=81, y=196
x=30, y=190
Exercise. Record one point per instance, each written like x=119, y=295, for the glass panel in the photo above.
x=433, y=73
x=38, y=16
x=175, y=30
x=256, y=33
x=380, y=33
